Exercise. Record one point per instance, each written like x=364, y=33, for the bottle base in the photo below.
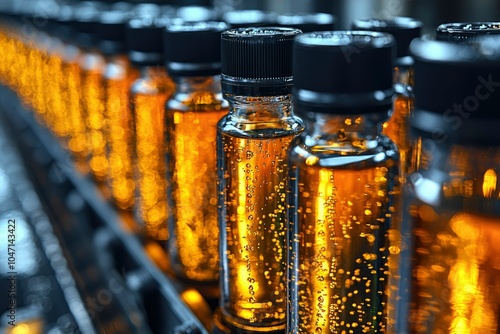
x=221, y=327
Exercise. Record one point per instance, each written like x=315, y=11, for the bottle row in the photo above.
x=320, y=182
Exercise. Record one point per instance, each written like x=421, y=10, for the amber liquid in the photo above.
x=93, y=110
x=39, y=98
x=194, y=243
x=456, y=274
x=152, y=208
x=455, y=281
x=254, y=236
x=20, y=73
x=119, y=134
x=77, y=142
x=341, y=242
x=54, y=84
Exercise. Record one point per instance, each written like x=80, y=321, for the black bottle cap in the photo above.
x=466, y=32
x=249, y=18
x=257, y=61
x=344, y=71
x=307, y=22
x=404, y=30
x=457, y=90
x=196, y=48
x=111, y=31
x=144, y=40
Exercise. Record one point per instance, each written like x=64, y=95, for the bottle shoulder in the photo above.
x=233, y=125
x=361, y=153
x=151, y=85
x=197, y=101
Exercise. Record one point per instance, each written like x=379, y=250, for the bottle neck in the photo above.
x=189, y=85
x=259, y=108
x=403, y=78
x=152, y=71
x=343, y=127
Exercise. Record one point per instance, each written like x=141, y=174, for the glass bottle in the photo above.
x=397, y=128
x=343, y=177
x=71, y=83
x=148, y=96
x=252, y=142
x=452, y=198
x=118, y=76
x=92, y=64
x=404, y=30
x=466, y=32
x=191, y=120
x=54, y=79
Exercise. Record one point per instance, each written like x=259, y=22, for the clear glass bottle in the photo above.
x=404, y=30
x=192, y=114
x=148, y=96
x=397, y=128
x=252, y=144
x=118, y=76
x=344, y=177
x=452, y=198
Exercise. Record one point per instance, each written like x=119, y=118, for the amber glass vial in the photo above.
x=252, y=144
x=397, y=128
x=453, y=197
x=92, y=64
x=118, y=76
x=148, y=96
x=343, y=175
x=191, y=120
x=70, y=88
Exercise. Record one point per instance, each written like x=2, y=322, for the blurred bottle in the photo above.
x=92, y=65
x=54, y=79
x=118, y=76
x=307, y=22
x=452, y=197
x=149, y=94
x=195, y=12
x=343, y=175
x=252, y=144
x=70, y=84
x=466, y=32
x=191, y=117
